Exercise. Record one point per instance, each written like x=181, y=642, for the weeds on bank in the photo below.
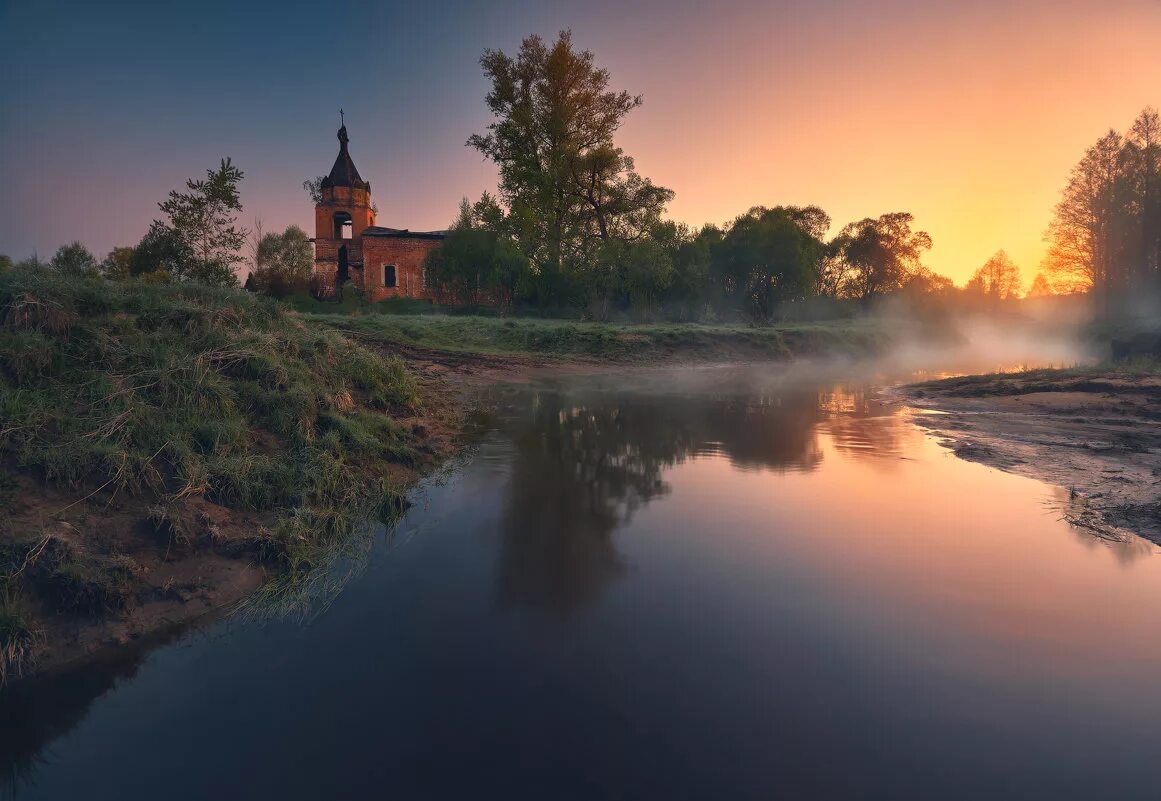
x=176, y=391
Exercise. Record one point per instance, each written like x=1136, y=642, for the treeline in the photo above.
x=1105, y=235
x=198, y=240
x=576, y=227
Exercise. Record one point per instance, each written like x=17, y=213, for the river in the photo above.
x=719, y=583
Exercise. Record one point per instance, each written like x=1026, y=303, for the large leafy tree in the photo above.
x=1105, y=235
x=204, y=219
x=769, y=257
x=567, y=185
x=881, y=254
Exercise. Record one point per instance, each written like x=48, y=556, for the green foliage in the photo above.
x=19, y=637
x=161, y=250
x=566, y=184
x=118, y=265
x=74, y=259
x=769, y=257
x=610, y=341
x=881, y=254
x=283, y=263
x=477, y=262
x=178, y=389
x=202, y=223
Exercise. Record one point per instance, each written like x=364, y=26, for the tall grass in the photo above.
x=168, y=391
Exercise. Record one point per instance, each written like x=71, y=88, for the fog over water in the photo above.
x=736, y=581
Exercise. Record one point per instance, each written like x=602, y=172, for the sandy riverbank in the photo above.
x=1095, y=432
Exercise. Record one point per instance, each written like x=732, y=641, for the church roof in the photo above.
x=344, y=172
x=402, y=233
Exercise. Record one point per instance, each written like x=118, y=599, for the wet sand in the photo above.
x=1096, y=434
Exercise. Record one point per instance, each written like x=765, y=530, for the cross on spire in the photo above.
x=343, y=118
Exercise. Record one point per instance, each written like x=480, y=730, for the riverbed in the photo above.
x=714, y=583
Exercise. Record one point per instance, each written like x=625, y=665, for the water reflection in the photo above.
x=737, y=585
x=584, y=461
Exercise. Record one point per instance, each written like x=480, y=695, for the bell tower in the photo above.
x=342, y=214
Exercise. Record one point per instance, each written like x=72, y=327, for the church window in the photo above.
x=389, y=279
x=344, y=228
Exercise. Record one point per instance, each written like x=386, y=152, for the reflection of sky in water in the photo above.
x=724, y=585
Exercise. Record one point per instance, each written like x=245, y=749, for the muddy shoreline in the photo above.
x=1096, y=433
x=179, y=583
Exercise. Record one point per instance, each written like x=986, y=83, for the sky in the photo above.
x=968, y=115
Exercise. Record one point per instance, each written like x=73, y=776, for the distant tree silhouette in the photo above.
x=997, y=279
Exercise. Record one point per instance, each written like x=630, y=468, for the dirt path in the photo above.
x=1098, y=435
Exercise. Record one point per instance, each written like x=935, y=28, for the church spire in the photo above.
x=344, y=172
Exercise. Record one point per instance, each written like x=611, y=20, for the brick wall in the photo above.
x=407, y=254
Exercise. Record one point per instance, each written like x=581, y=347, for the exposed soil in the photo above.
x=1095, y=434
x=128, y=574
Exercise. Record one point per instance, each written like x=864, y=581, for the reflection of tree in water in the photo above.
x=860, y=425
x=583, y=464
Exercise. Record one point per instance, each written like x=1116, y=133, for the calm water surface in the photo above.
x=712, y=585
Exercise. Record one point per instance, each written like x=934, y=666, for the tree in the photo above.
x=118, y=264
x=204, y=219
x=478, y=260
x=1105, y=235
x=161, y=251
x=313, y=187
x=1144, y=145
x=997, y=279
x=881, y=254
x=74, y=259
x=769, y=257
x=567, y=186
x=1040, y=287
x=283, y=263
x=6, y=262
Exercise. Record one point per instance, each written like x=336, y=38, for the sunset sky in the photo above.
x=967, y=115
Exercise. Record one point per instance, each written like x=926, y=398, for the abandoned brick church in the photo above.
x=348, y=246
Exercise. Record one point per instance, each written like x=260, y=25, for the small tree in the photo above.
x=1040, y=287
x=74, y=259
x=204, y=219
x=161, y=250
x=998, y=279
x=118, y=265
x=283, y=262
x=313, y=187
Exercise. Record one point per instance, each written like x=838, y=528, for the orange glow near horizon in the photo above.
x=969, y=116
x=970, y=120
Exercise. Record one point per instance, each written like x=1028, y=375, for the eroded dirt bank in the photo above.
x=135, y=578
x=1095, y=433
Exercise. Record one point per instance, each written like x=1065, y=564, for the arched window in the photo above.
x=344, y=228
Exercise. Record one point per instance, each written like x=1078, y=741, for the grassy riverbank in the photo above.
x=168, y=449
x=163, y=447
x=562, y=340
